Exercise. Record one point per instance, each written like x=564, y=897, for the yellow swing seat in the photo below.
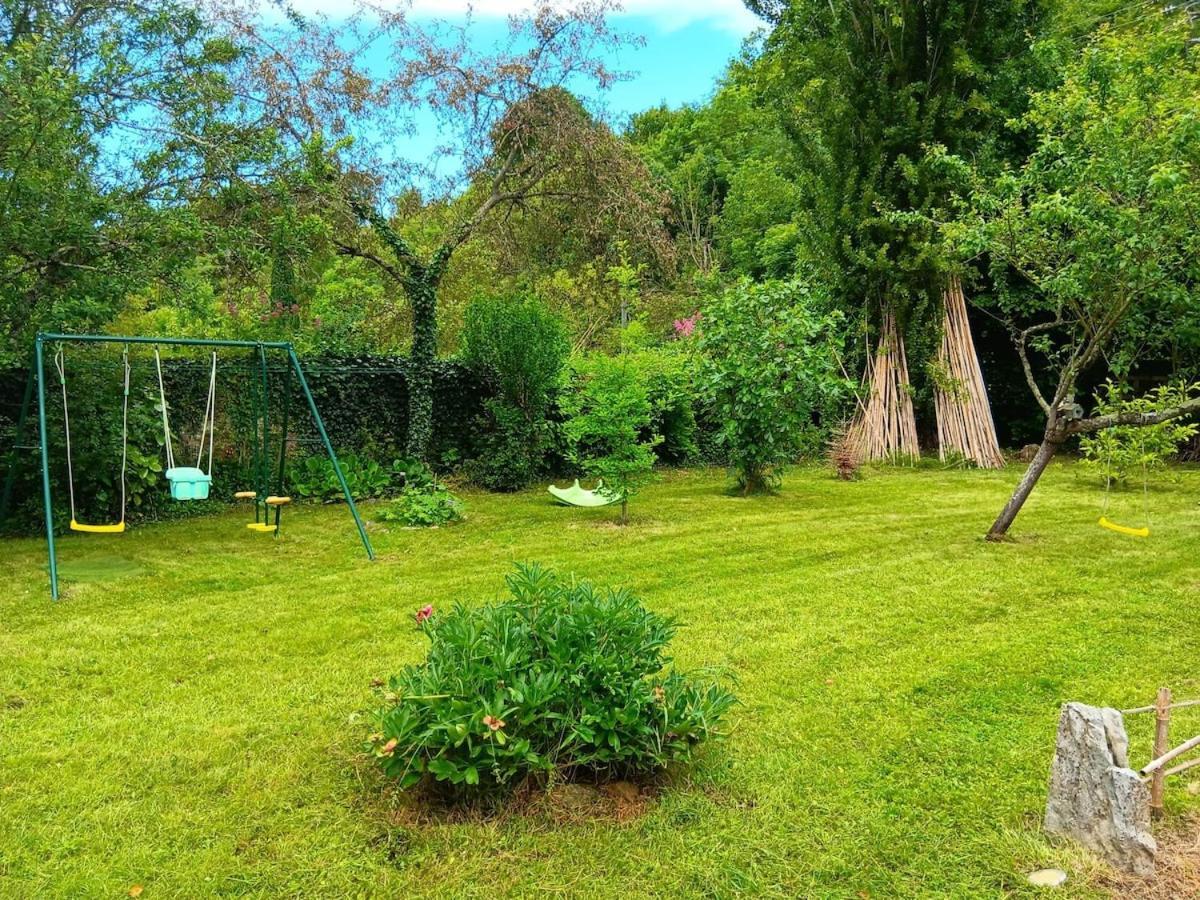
x=1124, y=529
x=264, y=527
x=118, y=528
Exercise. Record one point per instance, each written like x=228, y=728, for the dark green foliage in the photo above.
x=868, y=94
x=522, y=346
x=560, y=677
x=364, y=402
x=116, y=116
x=423, y=507
x=670, y=377
x=315, y=479
x=284, y=299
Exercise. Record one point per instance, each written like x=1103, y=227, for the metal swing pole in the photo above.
x=40, y=366
x=337, y=468
x=264, y=464
x=283, y=436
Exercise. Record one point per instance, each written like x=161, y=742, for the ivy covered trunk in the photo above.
x=422, y=294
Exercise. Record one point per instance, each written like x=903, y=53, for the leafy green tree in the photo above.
x=608, y=414
x=769, y=369
x=865, y=90
x=523, y=346
x=728, y=166
x=1092, y=244
x=113, y=117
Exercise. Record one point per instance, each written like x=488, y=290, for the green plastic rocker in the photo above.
x=578, y=496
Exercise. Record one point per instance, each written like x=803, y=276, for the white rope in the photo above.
x=210, y=418
x=59, y=363
x=62, y=379
x=162, y=399
x=124, y=431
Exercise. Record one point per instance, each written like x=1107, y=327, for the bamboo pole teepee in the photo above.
x=886, y=427
x=964, y=417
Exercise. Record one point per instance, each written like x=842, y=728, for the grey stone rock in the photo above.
x=1095, y=798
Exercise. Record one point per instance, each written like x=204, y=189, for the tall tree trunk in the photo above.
x=423, y=296
x=1025, y=487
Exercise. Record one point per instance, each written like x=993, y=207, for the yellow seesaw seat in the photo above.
x=118, y=528
x=1123, y=529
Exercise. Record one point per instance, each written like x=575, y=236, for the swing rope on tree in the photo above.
x=1142, y=531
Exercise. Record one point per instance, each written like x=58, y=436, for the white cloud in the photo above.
x=668, y=15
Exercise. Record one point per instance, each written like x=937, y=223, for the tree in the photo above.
x=1092, y=244
x=608, y=414
x=865, y=90
x=516, y=134
x=769, y=369
x=523, y=346
x=113, y=117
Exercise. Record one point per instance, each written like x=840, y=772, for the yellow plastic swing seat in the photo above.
x=264, y=527
x=277, y=501
x=1124, y=529
x=118, y=528
x=245, y=495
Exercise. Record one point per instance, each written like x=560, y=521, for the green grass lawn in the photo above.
x=187, y=718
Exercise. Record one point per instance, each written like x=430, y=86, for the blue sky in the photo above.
x=687, y=45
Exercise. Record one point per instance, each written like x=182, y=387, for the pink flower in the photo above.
x=685, y=327
x=424, y=613
x=493, y=723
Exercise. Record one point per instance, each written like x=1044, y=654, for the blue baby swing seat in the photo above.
x=190, y=482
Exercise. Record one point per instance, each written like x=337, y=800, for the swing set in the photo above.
x=185, y=482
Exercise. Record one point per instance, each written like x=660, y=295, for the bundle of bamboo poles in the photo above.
x=964, y=416
x=886, y=427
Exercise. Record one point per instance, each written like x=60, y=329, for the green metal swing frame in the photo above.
x=37, y=377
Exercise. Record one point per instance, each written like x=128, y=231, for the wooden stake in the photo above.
x=1162, y=742
x=1190, y=744
x=1182, y=767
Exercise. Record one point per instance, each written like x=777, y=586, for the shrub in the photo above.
x=423, y=507
x=313, y=478
x=523, y=346
x=1117, y=453
x=669, y=376
x=608, y=413
x=769, y=371
x=412, y=473
x=560, y=677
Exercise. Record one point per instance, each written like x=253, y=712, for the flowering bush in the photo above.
x=559, y=677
